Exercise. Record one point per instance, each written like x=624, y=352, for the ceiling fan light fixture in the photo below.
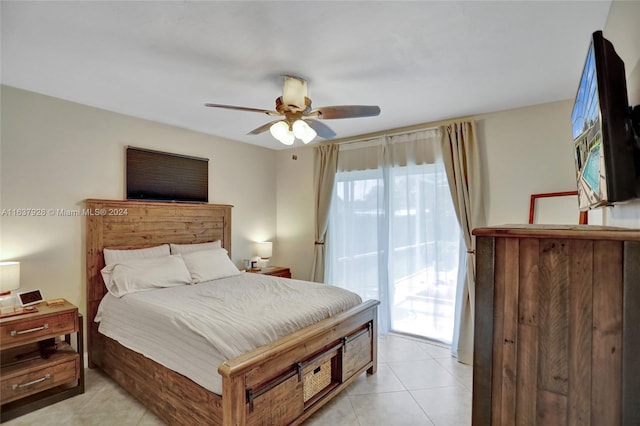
x=280, y=130
x=299, y=119
x=288, y=139
x=303, y=131
x=294, y=91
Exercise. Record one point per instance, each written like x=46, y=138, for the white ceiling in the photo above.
x=420, y=61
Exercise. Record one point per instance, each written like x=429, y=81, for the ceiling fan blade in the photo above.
x=239, y=108
x=321, y=129
x=262, y=128
x=345, y=111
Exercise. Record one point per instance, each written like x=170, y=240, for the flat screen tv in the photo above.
x=603, y=138
x=163, y=176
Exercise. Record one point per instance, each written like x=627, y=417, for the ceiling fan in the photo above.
x=299, y=120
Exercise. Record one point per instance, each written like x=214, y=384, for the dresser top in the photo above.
x=586, y=232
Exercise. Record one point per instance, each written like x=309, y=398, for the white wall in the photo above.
x=295, y=211
x=55, y=154
x=525, y=151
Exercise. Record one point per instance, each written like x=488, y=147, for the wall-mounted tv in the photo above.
x=606, y=155
x=163, y=176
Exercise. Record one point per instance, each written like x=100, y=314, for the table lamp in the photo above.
x=9, y=280
x=264, y=250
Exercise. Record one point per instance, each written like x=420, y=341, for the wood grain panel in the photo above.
x=607, y=333
x=527, y=380
x=577, y=341
x=483, y=341
x=528, y=295
x=501, y=256
x=574, y=232
x=631, y=335
x=527, y=351
x=280, y=406
x=553, y=374
x=510, y=330
x=144, y=379
x=552, y=408
x=580, y=320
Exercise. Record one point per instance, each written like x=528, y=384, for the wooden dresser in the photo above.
x=557, y=326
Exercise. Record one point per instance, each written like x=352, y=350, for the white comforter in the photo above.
x=192, y=329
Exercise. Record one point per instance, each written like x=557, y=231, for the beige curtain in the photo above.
x=462, y=164
x=325, y=163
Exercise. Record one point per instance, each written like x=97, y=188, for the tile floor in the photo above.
x=417, y=383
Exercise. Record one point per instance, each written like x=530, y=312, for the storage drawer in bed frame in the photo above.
x=320, y=375
x=278, y=402
x=287, y=396
x=356, y=351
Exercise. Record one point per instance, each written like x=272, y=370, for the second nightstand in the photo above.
x=276, y=271
x=30, y=376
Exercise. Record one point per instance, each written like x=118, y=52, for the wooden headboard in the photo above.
x=135, y=224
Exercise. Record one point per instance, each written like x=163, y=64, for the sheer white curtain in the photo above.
x=393, y=233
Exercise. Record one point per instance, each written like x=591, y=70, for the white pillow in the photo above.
x=190, y=248
x=206, y=265
x=141, y=274
x=112, y=256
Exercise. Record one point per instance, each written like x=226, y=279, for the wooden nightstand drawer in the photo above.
x=17, y=333
x=41, y=375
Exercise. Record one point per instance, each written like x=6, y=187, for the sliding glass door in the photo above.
x=424, y=251
x=394, y=236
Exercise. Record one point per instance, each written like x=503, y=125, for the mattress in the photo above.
x=192, y=329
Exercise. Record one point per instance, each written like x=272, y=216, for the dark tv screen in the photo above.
x=603, y=142
x=162, y=176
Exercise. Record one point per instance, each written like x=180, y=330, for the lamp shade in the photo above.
x=264, y=249
x=281, y=131
x=9, y=276
x=303, y=131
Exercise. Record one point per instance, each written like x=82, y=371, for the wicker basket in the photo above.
x=316, y=379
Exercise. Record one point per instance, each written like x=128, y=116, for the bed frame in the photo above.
x=283, y=382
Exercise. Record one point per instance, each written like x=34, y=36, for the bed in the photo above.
x=281, y=382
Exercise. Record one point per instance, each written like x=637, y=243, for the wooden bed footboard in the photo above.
x=283, y=382
x=288, y=380
x=275, y=384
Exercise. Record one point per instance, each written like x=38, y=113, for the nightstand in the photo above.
x=276, y=271
x=29, y=378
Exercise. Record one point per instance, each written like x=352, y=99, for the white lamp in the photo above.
x=264, y=250
x=9, y=280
